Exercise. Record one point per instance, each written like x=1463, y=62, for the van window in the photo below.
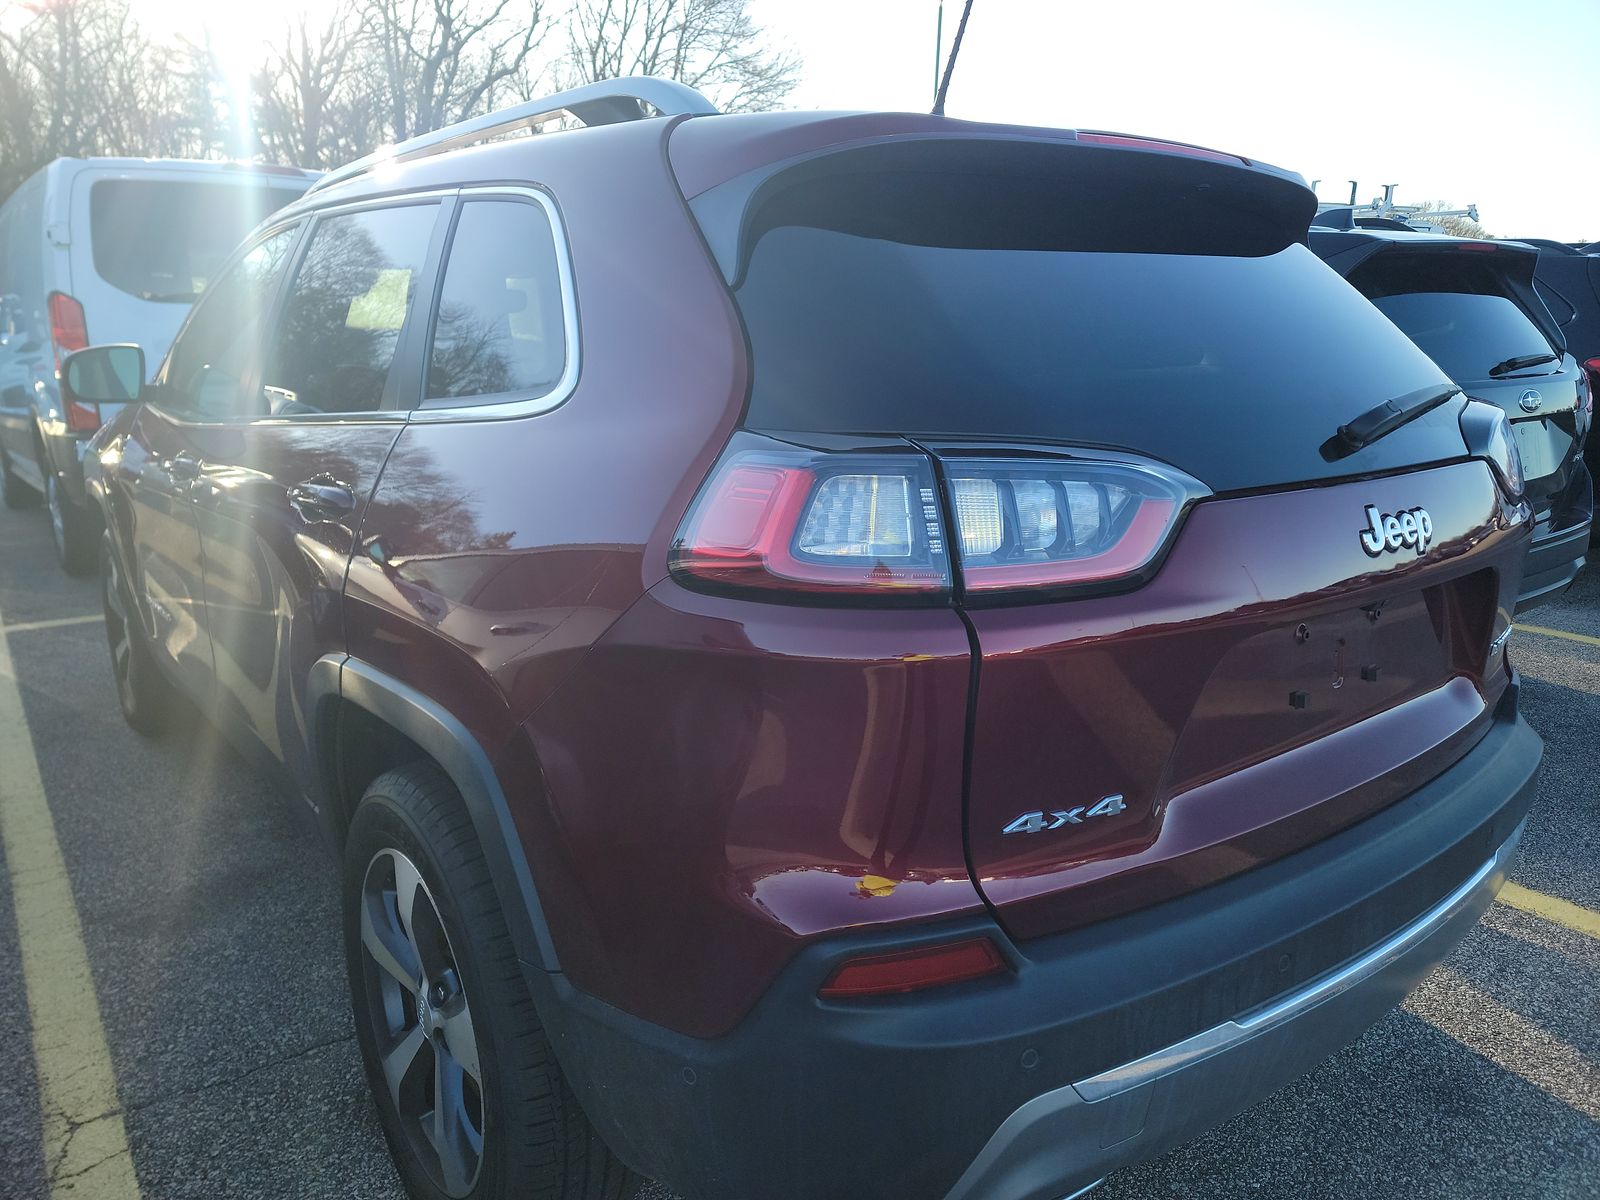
x=208, y=370
x=345, y=310
x=163, y=240
x=499, y=327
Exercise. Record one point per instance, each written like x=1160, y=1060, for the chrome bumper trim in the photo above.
x=1221, y=1038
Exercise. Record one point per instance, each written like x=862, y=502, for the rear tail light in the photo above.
x=1591, y=368
x=1488, y=435
x=873, y=525
x=1060, y=524
x=820, y=524
x=81, y=417
x=913, y=970
x=68, y=331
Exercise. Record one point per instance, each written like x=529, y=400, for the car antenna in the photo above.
x=950, y=63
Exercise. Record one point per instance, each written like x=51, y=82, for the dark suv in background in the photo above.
x=1568, y=280
x=1473, y=306
x=840, y=652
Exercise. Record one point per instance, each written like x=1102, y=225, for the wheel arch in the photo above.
x=354, y=705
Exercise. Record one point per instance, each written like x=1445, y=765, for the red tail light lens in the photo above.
x=81, y=417
x=1061, y=524
x=68, y=331
x=779, y=518
x=913, y=970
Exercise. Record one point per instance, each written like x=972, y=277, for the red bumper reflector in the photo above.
x=912, y=970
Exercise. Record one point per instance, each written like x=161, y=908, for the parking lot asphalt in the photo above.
x=207, y=910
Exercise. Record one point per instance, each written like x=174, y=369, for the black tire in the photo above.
x=533, y=1141
x=13, y=492
x=75, y=530
x=146, y=695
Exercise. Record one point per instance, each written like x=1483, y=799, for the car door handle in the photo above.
x=321, y=499
x=184, y=468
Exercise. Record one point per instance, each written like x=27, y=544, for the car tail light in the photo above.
x=81, y=417
x=913, y=970
x=1591, y=368
x=68, y=331
x=776, y=517
x=1488, y=435
x=1052, y=524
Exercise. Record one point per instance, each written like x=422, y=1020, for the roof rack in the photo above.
x=606, y=103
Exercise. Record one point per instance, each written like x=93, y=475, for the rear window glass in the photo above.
x=163, y=240
x=1234, y=366
x=1459, y=312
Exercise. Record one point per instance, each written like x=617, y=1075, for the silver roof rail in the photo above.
x=605, y=103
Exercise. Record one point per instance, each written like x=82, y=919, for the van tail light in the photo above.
x=913, y=970
x=68, y=331
x=81, y=417
x=872, y=524
x=774, y=517
x=1052, y=524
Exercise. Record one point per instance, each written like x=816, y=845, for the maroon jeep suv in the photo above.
x=841, y=653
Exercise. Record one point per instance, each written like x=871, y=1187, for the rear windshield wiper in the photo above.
x=1384, y=419
x=1518, y=363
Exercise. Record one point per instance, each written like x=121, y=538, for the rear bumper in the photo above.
x=1560, y=546
x=1107, y=1045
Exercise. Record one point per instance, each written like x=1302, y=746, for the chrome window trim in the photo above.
x=498, y=406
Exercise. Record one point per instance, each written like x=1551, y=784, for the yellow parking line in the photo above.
x=1563, y=912
x=85, y=1144
x=54, y=623
x=1560, y=633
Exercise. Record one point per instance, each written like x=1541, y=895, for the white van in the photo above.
x=113, y=250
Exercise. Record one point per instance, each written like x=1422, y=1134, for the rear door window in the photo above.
x=163, y=240
x=345, y=311
x=500, y=329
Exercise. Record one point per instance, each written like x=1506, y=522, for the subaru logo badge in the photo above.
x=1530, y=400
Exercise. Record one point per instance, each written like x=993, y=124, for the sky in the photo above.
x=1487, y=102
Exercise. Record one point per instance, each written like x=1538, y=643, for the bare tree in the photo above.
x=712, y=45
x=317, y=96
x=445, y=60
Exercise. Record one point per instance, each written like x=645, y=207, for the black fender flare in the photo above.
x=433, y=728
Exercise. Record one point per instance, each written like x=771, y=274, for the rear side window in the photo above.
x=1458, y=310
x=973, y=305
x=345, y=310
x=500, y=326
x=163, y=240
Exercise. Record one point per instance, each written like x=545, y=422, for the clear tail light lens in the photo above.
x=780, y=518
x=1061, y=524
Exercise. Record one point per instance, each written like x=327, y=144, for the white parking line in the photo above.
x=54, y=623
x=85, y=1143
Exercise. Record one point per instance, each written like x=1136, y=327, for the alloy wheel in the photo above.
x=427, y=1047
x=118, y=633
x=58, y=519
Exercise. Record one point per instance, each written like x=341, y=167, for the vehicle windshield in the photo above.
x=163, y=240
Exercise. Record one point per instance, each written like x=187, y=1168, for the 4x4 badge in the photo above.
x=1044, y=822
x=1409, y=528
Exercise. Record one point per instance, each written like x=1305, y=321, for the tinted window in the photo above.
x=345, y=309
x=163, y=240
x=210, y=364
x=1457, y=309
x=500, y=319
x=921, y=308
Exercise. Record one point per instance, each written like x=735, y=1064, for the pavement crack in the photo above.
x=231, y=1080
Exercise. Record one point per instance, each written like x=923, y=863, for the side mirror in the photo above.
x=103, y=374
